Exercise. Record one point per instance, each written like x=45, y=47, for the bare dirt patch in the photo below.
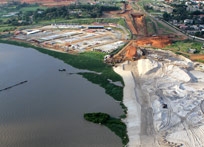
x=129, y=52
x=157, y=42
x=197, y=57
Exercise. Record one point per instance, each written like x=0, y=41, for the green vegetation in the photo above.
x=124, y=110
x=32, y=8
x=92, y=61
x=199, y=60
x=179, y=13
x=99, y=118
x=184, y=46
x=151, y=28
x=143, y=3
x=165, y=29
x=114, y=91
x=120, y=21
x=114, y=124
x=182, y=54
x=135, y=7
x=74, y=11
x=19, y=14
x=151, y=10
x=5, y=28
x=16, y=11
x=15, y=14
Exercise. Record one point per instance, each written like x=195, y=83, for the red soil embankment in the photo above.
x=197, y=57
x=157, y=42
x=128, y=20
x=131, y=51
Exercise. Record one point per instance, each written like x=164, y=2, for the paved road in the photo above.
x=171, y=27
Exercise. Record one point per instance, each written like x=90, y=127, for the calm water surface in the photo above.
x=47, y=111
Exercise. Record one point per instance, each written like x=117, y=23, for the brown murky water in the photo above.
x=47, y=111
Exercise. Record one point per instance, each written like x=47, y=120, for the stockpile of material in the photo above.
x=173, y=89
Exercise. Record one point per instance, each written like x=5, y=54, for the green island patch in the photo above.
x=114, y=124
x=93, y=61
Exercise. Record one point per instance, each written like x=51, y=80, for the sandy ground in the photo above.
x=139, y=119
x=164, y=95
x=133, y=120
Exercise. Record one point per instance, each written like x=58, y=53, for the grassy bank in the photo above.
x=114, y=91
x=114, y=124
x=151, y=28
x=92, y=61
x=185, y=45
x=6, y=28
x=165, y=29
x=81, y=21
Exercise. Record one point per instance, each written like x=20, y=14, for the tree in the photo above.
x=166, y=16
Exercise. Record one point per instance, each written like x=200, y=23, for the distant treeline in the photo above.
x=73, y=11
x=16, y=5
x=30, y=13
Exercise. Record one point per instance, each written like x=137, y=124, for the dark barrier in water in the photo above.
x=7, y=88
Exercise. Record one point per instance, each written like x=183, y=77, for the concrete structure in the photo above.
x=28, y=32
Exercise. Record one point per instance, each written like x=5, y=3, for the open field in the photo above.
x=197, y=58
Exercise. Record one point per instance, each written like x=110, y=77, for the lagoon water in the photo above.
x=47, y=111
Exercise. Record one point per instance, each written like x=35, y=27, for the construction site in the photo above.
x=74, y=38
x=136, y=23
x=141, y=37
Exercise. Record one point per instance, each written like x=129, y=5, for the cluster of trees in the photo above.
x=64, y=12
x=16, y=5
x=114, y=124
x=73, y=11
x=180, y=13
x=99, y=118
x=20, y=18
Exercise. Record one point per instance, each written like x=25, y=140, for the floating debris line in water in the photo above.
x=7, y=88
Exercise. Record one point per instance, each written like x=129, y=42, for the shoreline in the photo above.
x=68, y=60
x=133, y=119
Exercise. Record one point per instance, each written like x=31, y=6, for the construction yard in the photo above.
x=75, y=38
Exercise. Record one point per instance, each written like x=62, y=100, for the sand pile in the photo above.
x=174, y=89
